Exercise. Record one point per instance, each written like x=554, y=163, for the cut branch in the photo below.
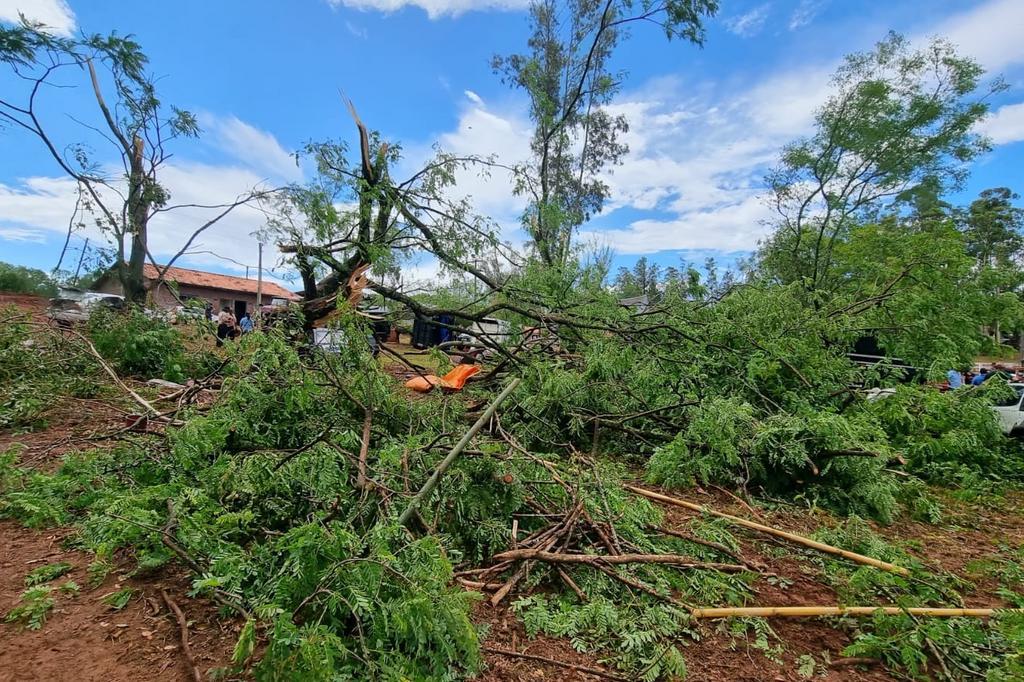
x=557, y=558
x=792, y=537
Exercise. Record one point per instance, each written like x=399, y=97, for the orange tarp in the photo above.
x=452, y=381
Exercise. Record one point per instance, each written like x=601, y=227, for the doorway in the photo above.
x=239, y=309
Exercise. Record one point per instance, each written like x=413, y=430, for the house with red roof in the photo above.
x=221, y=291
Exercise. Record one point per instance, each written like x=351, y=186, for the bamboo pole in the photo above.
x=792, y=537
x=431, y=483
x=814, y=611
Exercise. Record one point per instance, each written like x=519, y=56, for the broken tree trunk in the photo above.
x=792, y=537
x=431, y=483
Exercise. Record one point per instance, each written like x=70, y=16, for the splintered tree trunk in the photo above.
x=132, y=281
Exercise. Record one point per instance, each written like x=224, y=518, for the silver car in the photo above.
x=77, y=307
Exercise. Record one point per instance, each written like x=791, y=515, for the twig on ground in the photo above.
x=183, y=633
x=544, y=659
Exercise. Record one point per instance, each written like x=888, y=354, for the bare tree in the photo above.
x=135, y=124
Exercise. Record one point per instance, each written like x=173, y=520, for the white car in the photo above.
x=1011, y=412
x=77, y=307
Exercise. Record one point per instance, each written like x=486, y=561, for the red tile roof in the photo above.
x=212, y=280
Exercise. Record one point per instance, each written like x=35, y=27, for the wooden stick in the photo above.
x=556, y=558
x=544, y=659
x=717, y=546
x=364, y=448
x=637, y=585
x=792, y=537
x=138, y=398
x=814, y=611
x=572, y=585
x=550, y=540
x=183, y=632
x=431, y=483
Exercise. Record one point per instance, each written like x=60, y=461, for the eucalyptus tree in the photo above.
x=901, y=121
x=569, y=79
x=129, y=118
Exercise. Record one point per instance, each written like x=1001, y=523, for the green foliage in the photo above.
x=21, y=280
x=37, y=370
x=142, y=346
x=36, y=602
x=970, y=648
x=344, y=592
x=45, y=574
x=118, y=600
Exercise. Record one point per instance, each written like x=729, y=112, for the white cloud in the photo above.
x=1005, y=125
x=255, y=148
x=43, y=205
x=805, y=13
x=736, y=226
x=991, y=33
x=473, y=97
x=433, y=8
x=357, y=31
x=750, y=23
x=54, y=14
x=19, y=234
x=502, y=131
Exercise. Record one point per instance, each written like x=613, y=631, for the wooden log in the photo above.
x=792, y=537
x=815, y=611
x=558, y=558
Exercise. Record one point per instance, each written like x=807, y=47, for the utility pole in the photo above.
x=259, y=283
x=81, y=257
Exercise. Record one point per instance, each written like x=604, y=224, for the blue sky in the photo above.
x=264, y=77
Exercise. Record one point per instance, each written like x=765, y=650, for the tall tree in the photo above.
x=993, y=227
x=137, y=126
x=569, y=80
x=901, y=121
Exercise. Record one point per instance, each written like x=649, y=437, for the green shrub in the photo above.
x=140, y=345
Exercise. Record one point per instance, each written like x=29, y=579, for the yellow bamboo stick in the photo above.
x=813, y=611
x=792, y=537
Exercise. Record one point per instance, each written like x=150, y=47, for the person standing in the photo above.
x=225, y=325
x=245, y=324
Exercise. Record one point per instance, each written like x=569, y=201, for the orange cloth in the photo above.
x=422, y=384
x=454, y=380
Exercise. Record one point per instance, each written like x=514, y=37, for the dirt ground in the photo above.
x=85, y=638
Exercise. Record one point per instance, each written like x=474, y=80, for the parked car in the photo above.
x=73, y=307
x=186, y=313
x=332, y=341
x=1011, y=412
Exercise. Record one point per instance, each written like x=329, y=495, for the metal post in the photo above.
x=259, y=284
x=81, y=257
x=259, y=279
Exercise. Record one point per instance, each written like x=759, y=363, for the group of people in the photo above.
x=955, y=378
x=228, y=327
